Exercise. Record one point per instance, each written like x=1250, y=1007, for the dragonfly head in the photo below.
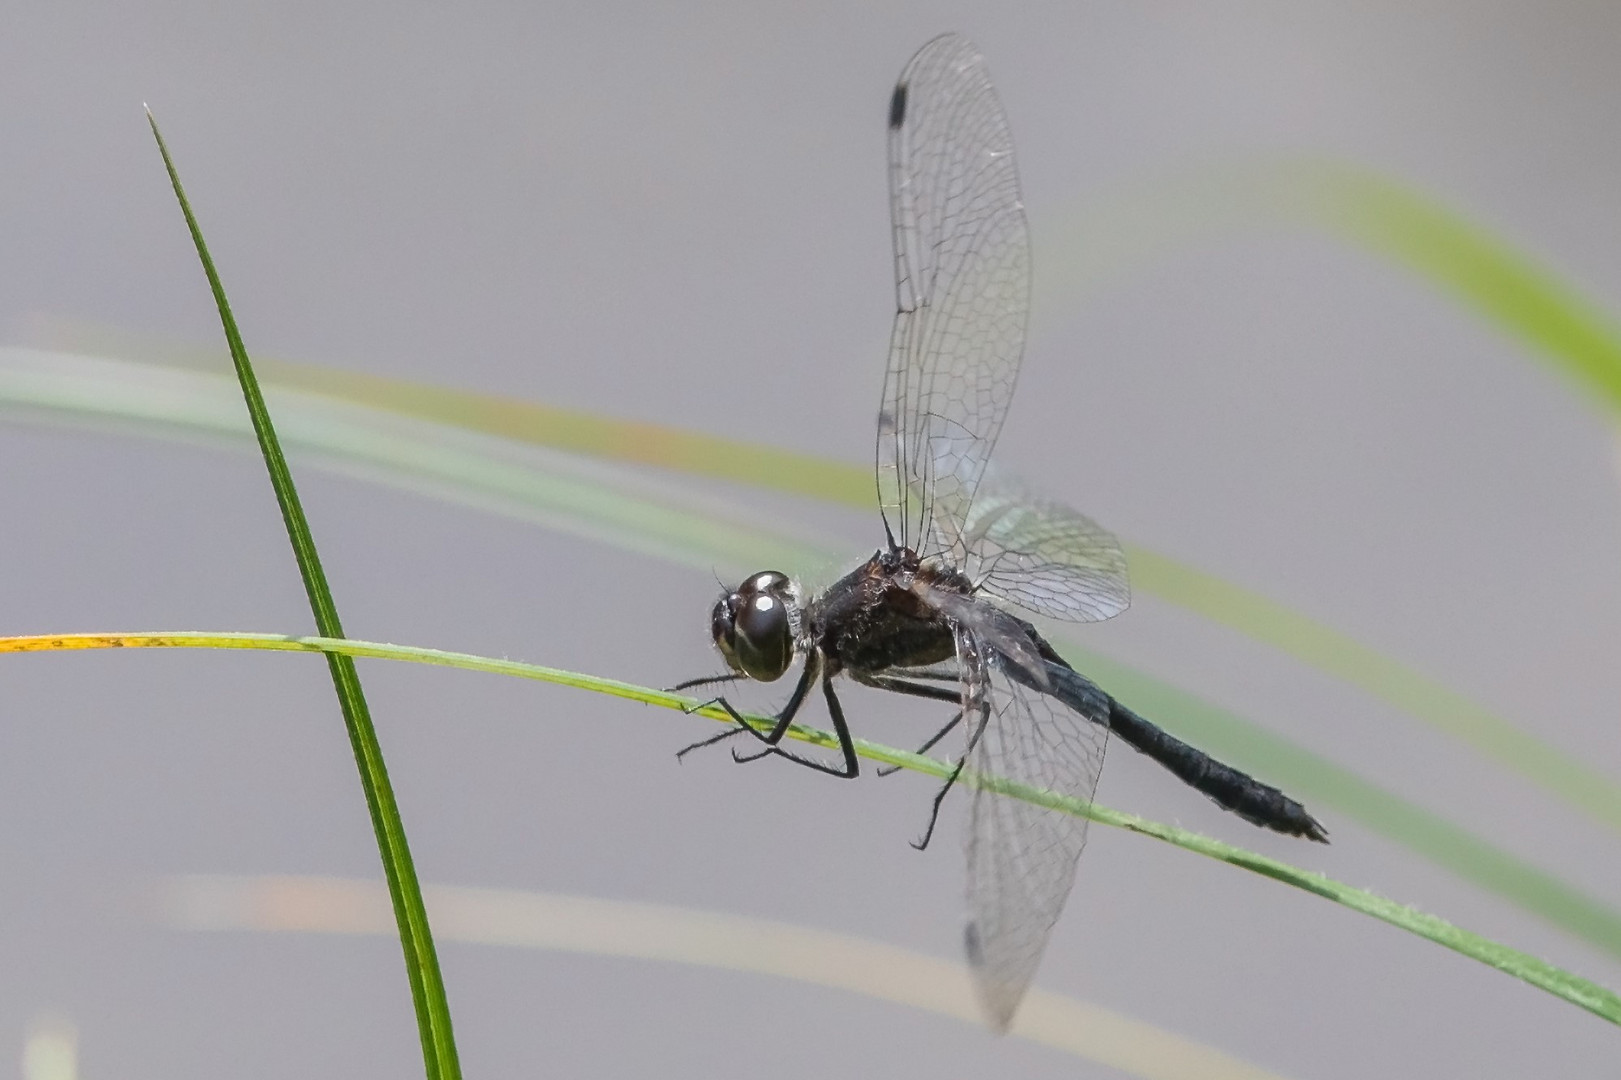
x=753, y=626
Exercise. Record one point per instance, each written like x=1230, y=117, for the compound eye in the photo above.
x=721, y=629
x=764, y=581
x=763, y=643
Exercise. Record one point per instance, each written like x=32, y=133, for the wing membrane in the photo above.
x=962, y=285
x=1041, y=555
x=1021, y=857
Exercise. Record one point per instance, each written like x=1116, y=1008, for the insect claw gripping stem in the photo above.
x=711, y=741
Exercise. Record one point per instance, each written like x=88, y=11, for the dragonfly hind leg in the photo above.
x=956, y=718
x=913, y=689
x=951, y=781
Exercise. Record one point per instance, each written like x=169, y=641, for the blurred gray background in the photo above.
x=677, y=213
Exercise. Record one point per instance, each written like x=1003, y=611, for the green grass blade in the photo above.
x=1563, y=984
x=1115, y=235
x=421, y=962
x=685, y=539
x=1480, y=270
x=422, y=458
x=599, y=501
x=1153, y=573
x=1389, y=219
x=1380, y=676
x=1440, y=841
x=1119, y=232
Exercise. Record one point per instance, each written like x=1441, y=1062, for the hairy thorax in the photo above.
x=878, y=616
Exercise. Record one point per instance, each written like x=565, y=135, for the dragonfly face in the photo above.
x=753, y=626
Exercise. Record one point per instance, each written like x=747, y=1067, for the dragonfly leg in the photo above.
x=702, y=705
x=784, y=719
x=847, y=746
x=906, y=686
x=891, y=770
x=707, y=680
x=940, y=796
x=779, y=723
x=914, y=689
x=711, y=741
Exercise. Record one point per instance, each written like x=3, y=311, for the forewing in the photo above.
x=962, y=284
x=1044, y=556
x=1021, y=857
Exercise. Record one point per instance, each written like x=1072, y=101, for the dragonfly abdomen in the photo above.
x=1230, y=788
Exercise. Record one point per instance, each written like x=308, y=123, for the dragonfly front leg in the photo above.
x=713, y=739
x=779, y=723
x=707, y=680
x=851, y=768
x=784, y=719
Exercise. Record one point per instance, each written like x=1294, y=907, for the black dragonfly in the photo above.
x=933, y=613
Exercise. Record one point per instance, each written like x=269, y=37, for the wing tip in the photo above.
x=997, y=1002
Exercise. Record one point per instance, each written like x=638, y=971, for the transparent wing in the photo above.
x=1021, y=857
x=991, y=627
x=1039, y=554
x=962, y=287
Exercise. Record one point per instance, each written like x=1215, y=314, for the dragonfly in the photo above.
x=939, y=612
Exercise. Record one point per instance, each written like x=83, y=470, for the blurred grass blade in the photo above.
x=712, y=939
x=1152, y=573
x=1110, y=237
x=1572, y=988
x=421, y=963
x=1117, y=233
x=1480, y=270
x=1383, y=677
x=620, y=508
x=1391, y=220
x=1440, y=841
x=596, y=500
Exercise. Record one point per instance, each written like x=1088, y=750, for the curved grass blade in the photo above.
x=421, y=458
x=695, y=541
x=1563, y=984
x=1153, y=573
x=421, y=962
x=1429, y=835
x=1118, y=232
x=1526, y=300
x=596, y=500
x=1389, y=219
x=712, y=939
x=1383, y=677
